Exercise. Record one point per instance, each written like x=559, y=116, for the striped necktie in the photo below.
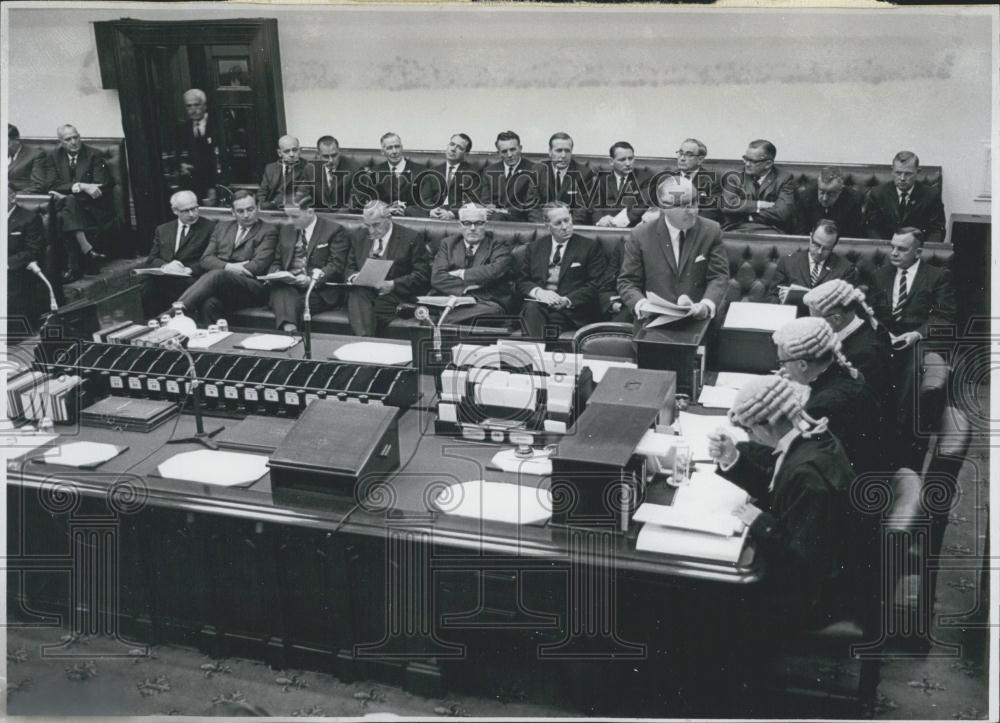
x=897, y=310
x=814, y=272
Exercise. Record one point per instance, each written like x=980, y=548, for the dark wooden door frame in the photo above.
x=125, y=40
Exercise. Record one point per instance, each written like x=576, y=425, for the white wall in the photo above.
x=845, y=86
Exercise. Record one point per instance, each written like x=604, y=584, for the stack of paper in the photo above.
x=160, y=272
x=735, y=380
x=82, y=454
x=688, y=543
x=204, y=339
x=759, y=317
x=374, y=352
x=128, y=414
x=717, y=397
x=446, y=300
x=666, y=312
x=497, y=502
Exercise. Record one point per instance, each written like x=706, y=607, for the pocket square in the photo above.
x=700, y=258
x=13, y=233
x=322, y=246
x=575, y=264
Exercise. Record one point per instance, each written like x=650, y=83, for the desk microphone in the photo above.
x=34, y=268
x=422, y=313
x=307, y=315
x=200, y=436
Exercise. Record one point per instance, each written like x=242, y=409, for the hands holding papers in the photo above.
x=667, y=312
x=373, y=274
x=286, y=277
x=549, y=298
x=171, y=268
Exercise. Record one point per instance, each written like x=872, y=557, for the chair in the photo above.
x=605, y=338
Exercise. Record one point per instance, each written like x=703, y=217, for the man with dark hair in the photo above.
x=761, y=197
x=371, y=309
x=335, y=176
x=811, y=266
x=393, y=181
x=309, y=247
x=197, y=157
x=451, y=184
x=829, y=198
x=905, y=201
x=509, y=186
x=26, y=293
x=562, y=179
x=237, y=253
x=622, y=194
x=559, y=277
x=283, y=176
x=27, y=168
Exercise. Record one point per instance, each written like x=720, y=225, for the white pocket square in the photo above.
x=322, y=246
x=14, y=233
x=574, y=265
x=700, y=258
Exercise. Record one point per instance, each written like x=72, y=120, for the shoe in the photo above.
x=92, y=262
x=71, y=274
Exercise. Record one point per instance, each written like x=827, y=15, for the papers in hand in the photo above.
x=446, y=300
x=269, y=342
x=496, y=501
x=373, y=273
x=213, y=467
x=184, y=272
x=758, y=317
x=793, y=293
x=666, y=312
x=287, y=276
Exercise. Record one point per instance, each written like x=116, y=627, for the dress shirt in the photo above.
x=13, y=157
x=780, y=451
x=509, y=171
x=198, y=127
x=180, y=235
x=675, y=245
x=398, y=168
x=911, y=274
x=382, y=241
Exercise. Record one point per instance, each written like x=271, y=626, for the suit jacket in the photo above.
x=924, y=211
x=382, y=184
x=709, y=194
x=793, y=268
x=648, y=264
x=490, y=270
x=581, y=272
x=25, y=240
x=854, y=412
x=411, y=270
x=30, y=171
x=273, y=193
x=740, y=201
x=464, y=187
x=257, y=247
x=846, y=212
x=338, y=196
x=191, y=249
x=90, y=168
x=634, y=196
x=327, y=250
x=868, y=350
x=518, y=194
x=930, y=299
x=577, y=190
x=203, y=153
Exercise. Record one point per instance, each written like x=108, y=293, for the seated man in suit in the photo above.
x=393, y=181
x=81, y=193
x=283, y=176
x=864, y=342
x=609, y=301
x=371, y=309
x=679, y=256
x=177, y=249
x=911, y=296
x=238, y=252
x=310, y=247
x=473, y=263
x=560, y=275
x=27, y=297
x=829, y=198
x=762, y=197
x=27, y=168
x=810, y=266
x=622, y=195
x=336, y=175
x=452, y=183
x=690, y=157
x=509, y=186
x=905, y=201
x=197, y=156
x=562, y=179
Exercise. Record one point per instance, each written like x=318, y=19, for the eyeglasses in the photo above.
x=747, y=159
x=472, y=224
x=688, y=154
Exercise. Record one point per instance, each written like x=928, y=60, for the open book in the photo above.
x=666, y=312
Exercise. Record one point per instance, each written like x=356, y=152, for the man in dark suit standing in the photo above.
x=238, y=252
x=829, y=198
x=622, y=194
x=309, y=247
x=197, y=155
x=393, y=181
x=449, y=186
x=283, y=176
x=81, y=194
x=27, y=168
x=473, y=263
x=371, y=309
x=762, y=197
x=510, y=186
x=177, y=249
x=560, y=275
x=810, y=267
x=905, y=201
x=26, y=294
x=679, y=256
x=335, y=173
x=562, y=179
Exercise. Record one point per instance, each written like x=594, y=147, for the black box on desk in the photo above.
x=648, y=388
x=333, y=446
x=677, y=347
x=744, y=348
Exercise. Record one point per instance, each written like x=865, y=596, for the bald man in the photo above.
x=197, y=156
x=281, y=177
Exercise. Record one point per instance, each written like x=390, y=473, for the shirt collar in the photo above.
x=399, y=167
x=910, y=272
x=852, y=327
x=671, y=229
x=309, y=229
x=761, y=179
x=16, y=153
x=11, y=210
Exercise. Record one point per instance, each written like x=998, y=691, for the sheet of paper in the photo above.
x=622, y=219
x=599, y=366
x=373, y=272
x=203, y=339
x=375, y=352
x=159, y=272
x=445, y=300
x=496, y=502
x=685, y=519
x=717, y=397
x=82, y=454
x=709, y=496
x=695, y=428
x=215, y=467
x=735, y=380
x=689, y=543
x=15, y=443
x=758, y=317
x=269, y=342
x=277, y=276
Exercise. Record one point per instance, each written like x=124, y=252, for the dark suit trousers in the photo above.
x=903, y=411
x=542, y=321
x=219, y=292
x=287, y=302
x=159, y=292
x=78, y=214
x=368, y=312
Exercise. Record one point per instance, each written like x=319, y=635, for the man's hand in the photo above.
x=352, y=277
x=763, y=205
x=301, y=281
x=493, y=212
x=175, y=267
x=238, y=268
x=605, y=221
x=722, y=447
x=211, y=199
x=905, y=340
x=650, y=215
x=56, y=195
x=397, y=208
x=386, y=287
x=640, y=309
x=747, y=513
x=442, y=214
x=783, y=293
x=616, y=306
x=458, y=273
x=551, y=298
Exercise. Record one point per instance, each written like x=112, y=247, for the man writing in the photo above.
x=809, y=267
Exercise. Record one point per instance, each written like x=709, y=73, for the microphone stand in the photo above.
x=34, y=268
x=422, y=313
x=307, y=317
x=200, y=436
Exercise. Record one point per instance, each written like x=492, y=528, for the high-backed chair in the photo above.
x=605, y=338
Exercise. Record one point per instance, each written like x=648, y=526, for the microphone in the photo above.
x=34, y=268
x=307, y=315
x=200, y=436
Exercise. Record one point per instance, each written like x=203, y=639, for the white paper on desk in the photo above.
x=269, y=342
x=204, y=339
x=81, y=454
x=374, y=352
x=689, y=543
x=758, y=317
x=695, y=428
x=684, y=519
x=496, y=502
x=735, y=380
x=717, y=397
x=708, y=492
x=215, y=467
x=15, y=443
x=538, y=464
x=599, y=366
x=373, y=272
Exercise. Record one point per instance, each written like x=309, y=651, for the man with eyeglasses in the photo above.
x=177, y=249
x=829, y=198
x=806, y=268
x=371, y=309
x=761, y=197
x=560, y=274
x=905, y=201
x=509, y=186
x=334, y=173
x=283, y=176
x=473, y=263
x=197, y=156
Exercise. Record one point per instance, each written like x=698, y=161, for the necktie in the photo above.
x=904, y=200
x=329, y=178
x=506, y=172
x=557, y=256
x=197, y=129
x=897, y=311
x=449, y=176
x=72, y=161
x=619, y=179
x=560, y=177
x=301, y=240
x=240, y=236
x=680, y=246
x=183, y=235
x=377, y=252
x=814, y=272
x=470, y=256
